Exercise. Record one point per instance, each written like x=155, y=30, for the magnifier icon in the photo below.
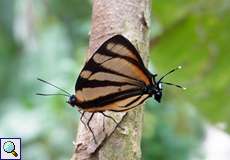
x=9, y=147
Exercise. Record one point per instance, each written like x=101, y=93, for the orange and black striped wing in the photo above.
x=113, y=78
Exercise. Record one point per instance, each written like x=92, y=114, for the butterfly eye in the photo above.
x=160, y=85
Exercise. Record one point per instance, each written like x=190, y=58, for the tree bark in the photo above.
x=131, y=18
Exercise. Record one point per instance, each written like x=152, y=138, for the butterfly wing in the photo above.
x=113, y=78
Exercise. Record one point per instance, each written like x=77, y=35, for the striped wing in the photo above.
x=113, y=78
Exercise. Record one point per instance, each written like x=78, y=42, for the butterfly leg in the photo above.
x=81, y=119
x=90, y=118
x=112, y=119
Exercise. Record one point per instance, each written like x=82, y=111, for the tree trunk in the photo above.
x=131, y=18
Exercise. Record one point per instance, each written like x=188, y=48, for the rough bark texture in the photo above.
x=130, y=18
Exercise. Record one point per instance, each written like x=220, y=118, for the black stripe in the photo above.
x=112, y=54
x=133, y=101
x=144, y=99
x=122, y=110
x=98, y=83
x=140, y=101
x=108, y=99
x=104, y=60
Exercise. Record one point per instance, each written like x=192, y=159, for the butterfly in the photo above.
x=114, y=79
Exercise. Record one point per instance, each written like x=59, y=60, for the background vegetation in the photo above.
x=49, y=39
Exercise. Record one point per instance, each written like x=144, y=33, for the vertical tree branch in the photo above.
x=130, y=18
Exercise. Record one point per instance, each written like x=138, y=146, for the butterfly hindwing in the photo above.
x=113, y=78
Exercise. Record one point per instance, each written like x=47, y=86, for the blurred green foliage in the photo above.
x=49, y=39
x=196, y=35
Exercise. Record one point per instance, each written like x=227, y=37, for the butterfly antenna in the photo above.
x=178, y=86
x=56, y=94
x=173, y=70
x=54, y=86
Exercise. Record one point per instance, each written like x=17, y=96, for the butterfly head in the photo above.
x=157, y=90
x=72, y=100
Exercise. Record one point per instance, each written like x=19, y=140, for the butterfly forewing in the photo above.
x=113, y=78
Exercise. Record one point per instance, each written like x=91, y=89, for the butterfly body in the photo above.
x=114, y=79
